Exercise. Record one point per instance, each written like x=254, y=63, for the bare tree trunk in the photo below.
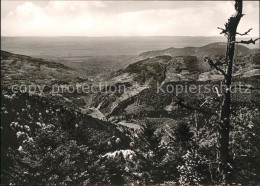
x=230, y=31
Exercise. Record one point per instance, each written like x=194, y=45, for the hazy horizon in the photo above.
x=63, y=46
x=107, y=36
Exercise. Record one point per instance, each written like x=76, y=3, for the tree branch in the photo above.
x=251, y=41
x=246, y=33
x=215, y=65
x=224, y=31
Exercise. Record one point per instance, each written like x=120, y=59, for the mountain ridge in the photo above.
x=220, y=48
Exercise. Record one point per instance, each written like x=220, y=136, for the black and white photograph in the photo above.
x=120, y=92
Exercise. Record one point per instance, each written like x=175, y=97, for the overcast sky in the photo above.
x=122, y=18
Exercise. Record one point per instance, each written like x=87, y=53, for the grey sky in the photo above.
x=122, y=18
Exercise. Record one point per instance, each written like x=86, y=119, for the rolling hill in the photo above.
x=207, y=50
x=167, y=66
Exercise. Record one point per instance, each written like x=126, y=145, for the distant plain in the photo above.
x=67, y=47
